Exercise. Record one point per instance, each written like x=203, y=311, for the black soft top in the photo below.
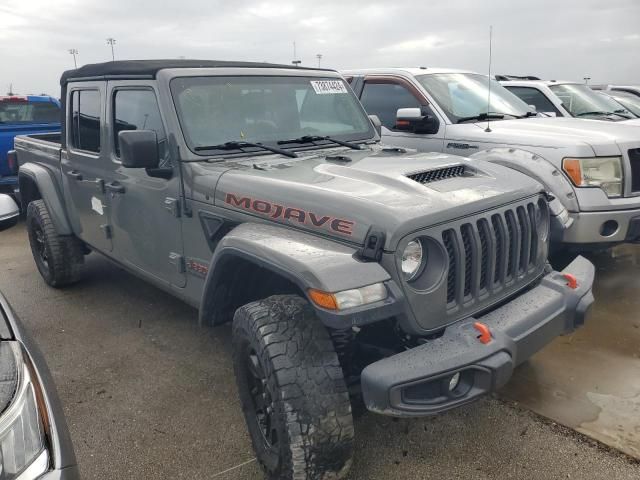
x=149, y=68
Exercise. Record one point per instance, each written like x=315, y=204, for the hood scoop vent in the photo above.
x=438, y=174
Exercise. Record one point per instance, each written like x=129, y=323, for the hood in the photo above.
x=344, y=196
x=632, y=121
x=550, y=132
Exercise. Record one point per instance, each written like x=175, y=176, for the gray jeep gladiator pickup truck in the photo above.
x=350, y=271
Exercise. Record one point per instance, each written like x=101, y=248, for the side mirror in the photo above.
x=533, y=108
x=377, y=124
x=139, y=149
x=417, y=120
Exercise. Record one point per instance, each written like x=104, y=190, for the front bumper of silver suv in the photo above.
x=475, y=356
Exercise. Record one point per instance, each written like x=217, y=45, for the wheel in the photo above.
x=59, y=258
x=292, y=390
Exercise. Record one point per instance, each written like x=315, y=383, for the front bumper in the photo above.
x=416, y=382
x=616, y=226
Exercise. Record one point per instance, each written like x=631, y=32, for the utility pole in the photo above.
x=319, y=57
x=586, y=80
x=112, y=41
x=295, y=61
x=74, y=52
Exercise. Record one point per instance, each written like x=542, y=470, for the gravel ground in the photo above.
x=150, y=395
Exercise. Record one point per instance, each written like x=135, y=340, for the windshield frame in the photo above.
x=591, y=94
x=368, y=136
x=495, y=87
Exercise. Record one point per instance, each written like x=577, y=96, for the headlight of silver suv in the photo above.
x=412, y=259
x=23, y=455
x=603, y=172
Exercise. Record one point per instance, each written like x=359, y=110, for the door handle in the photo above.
x=115, y=187
x=75, y=175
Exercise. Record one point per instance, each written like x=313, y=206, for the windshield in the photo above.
x=581, y=101
x=463, y=95
x=29, y=112
x=629, y=101
x=216, y=110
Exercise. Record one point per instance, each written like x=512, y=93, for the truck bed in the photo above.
x=42, y=149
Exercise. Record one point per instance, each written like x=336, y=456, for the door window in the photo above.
x=533, y=96
x=138, y=110
x=85, y=120
x=384, y=100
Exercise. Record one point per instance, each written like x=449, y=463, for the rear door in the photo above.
x=85, y=164
x=383, y=96
x=145, y=209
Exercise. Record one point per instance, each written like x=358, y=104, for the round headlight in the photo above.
x=412, y=259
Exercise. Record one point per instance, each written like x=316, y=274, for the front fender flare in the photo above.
x=536, y=167
x=50, y=194
x=306, y=260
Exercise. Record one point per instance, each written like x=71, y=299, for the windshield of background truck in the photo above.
x=466, y=95
x=216, y=110
x=29, y=112
x=580, y=100
x=628, y=100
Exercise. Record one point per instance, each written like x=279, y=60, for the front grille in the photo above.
x=438, y=174
x=634, y=159
x=491, y=253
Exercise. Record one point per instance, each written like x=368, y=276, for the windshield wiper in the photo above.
x=584, y=114
x=315, y=138
x=623, y=113
x=235, y=145
x=482, y=116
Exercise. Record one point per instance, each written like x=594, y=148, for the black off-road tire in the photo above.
x=59, y=258
x=311, y=416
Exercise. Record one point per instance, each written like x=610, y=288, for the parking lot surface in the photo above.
x=148, y=394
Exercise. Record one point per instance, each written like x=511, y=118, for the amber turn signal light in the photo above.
x=572, y=167
x=323, y=299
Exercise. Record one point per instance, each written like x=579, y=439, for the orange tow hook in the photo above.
x=572, y=281
x=485, y=333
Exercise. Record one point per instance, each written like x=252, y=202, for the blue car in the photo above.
x=21, y=115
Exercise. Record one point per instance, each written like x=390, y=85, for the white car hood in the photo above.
x=551, y=132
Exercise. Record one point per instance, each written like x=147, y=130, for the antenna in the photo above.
x=488, y=129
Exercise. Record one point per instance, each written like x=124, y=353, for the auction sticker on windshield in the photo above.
x=328, y=87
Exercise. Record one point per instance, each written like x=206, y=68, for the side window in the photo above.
x=533, y=96
x=85, y=120
x=138, y=110
x=384, y=100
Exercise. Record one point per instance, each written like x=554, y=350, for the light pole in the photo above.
x=74, y=52
x=112, y=42
x=586, y=80
x=319, y=57
x=295, y=61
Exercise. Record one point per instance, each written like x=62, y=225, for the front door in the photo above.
x=85, y=163
x=145, y=210
x=383, y=96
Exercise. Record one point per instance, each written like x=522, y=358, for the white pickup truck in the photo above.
x=591, y=168
x=568, y=99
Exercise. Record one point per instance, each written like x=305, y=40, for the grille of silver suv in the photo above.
x=491, y=252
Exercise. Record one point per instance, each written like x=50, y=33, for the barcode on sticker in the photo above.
x=328, y=87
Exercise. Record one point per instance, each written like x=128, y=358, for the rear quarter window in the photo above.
x=29, y=112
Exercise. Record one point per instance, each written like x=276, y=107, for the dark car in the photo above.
x=34, y=439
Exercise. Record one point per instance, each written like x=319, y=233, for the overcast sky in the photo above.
x=567, y=39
